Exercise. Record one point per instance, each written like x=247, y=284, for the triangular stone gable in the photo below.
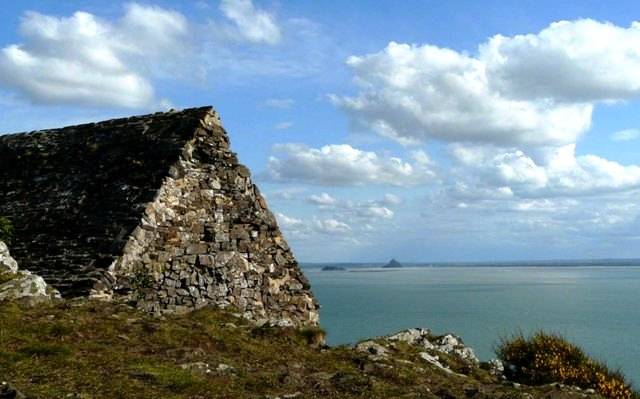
x=155, y=208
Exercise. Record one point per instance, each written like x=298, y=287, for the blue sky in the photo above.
x=421, y=130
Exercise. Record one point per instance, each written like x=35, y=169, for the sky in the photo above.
x=423, y=130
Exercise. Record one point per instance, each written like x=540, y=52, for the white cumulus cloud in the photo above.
x=83, y=59
x=331, y=226
x=356, y=212
x=554, y=172
x=288, y=222
x=391, y=199
x=626, y=135
x=535, y=89
x=252, y=24
x=513, y=112
x=414, y=93
x=344, y=165
x=66, y=60
x=571, y=61
x=322, y=199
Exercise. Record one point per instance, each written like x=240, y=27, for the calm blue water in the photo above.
x=595, y=307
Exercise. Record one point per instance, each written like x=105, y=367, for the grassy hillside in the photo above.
x=83, y=349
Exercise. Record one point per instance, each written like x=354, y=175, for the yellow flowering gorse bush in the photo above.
x=545, y=358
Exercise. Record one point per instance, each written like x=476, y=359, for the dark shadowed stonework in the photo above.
x=155, y=208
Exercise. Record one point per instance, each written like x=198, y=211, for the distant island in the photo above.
x=393, y=264
x=333, y=269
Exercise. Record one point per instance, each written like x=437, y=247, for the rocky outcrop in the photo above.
x=436, y=346
x=449, y=344
x=421, y=350
x=21, y=284
x=155, y=210
x=439, y=351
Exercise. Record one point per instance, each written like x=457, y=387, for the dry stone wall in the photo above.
x=198, y=231
x=209, y=237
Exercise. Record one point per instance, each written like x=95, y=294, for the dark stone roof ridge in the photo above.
x=74, y=194
x=199, y=111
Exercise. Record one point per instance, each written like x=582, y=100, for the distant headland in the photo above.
x=393, y=264
x=333, y=269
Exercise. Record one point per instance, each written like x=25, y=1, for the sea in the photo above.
x=594, y=304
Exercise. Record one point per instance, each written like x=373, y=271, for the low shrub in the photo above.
x=314, y=336
x=544, y=358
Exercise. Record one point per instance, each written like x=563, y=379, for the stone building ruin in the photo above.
x=155, y=209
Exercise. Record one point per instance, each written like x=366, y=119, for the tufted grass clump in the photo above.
x=544, y=358
x=314, y=336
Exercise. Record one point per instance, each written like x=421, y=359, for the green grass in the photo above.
x=37, y=350
x=171, y=378
x=107, y=350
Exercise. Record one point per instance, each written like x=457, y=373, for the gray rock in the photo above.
x=224, y=368
x=9, y=392
x=434, y=360
x=7, y=263
x=373, y=349
x=496, y=368
x=431, y=345
x=452, y=344
x=23, y=284
x=414, y=336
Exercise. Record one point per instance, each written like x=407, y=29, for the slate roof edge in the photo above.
x=204, y=109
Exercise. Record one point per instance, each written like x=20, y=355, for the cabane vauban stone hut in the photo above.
x=153, y=208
